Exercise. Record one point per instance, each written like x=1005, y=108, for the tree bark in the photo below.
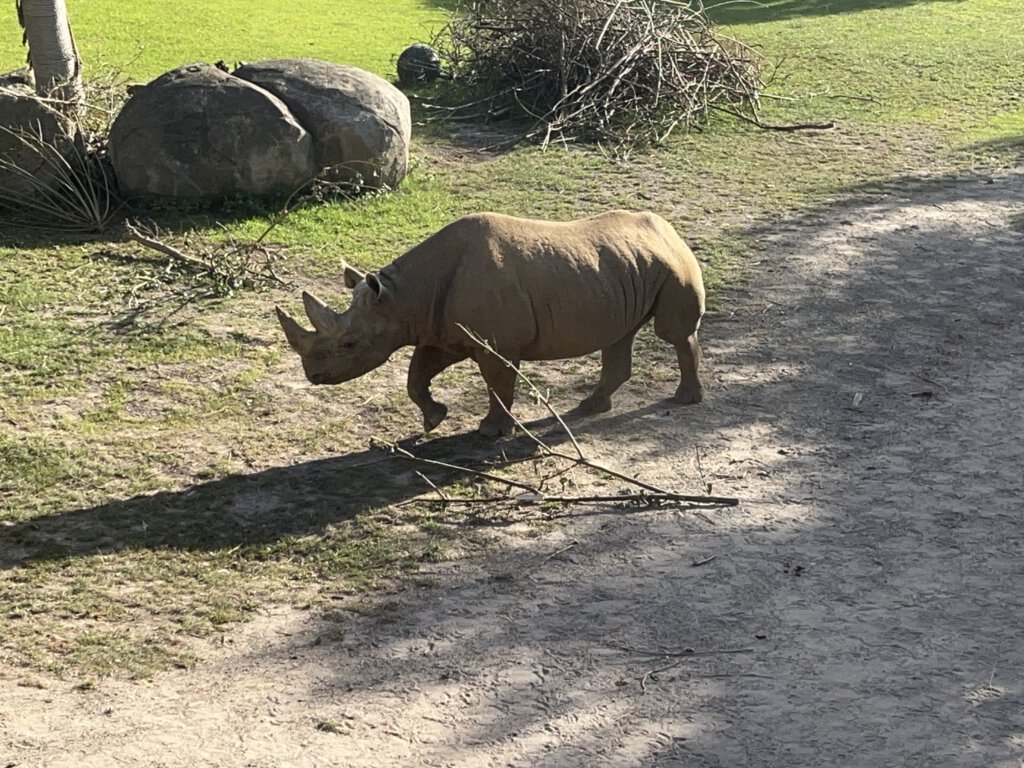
x=52, y=54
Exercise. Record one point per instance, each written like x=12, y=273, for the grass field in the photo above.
x=164, y=471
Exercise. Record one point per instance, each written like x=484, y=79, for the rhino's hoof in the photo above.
x=596, y=404
x=434, y=416
x=689, y=395
x=496, y=428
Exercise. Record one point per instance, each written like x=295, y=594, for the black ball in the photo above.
x=418, y=64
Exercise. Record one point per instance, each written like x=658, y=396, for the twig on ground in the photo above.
x=685, y=653
x=649, y=496
x=651, y=672
x=399, y=451
x=756, y=121
x=430, y=482
x=639, y=499
x=131, y=233
x=555, y=554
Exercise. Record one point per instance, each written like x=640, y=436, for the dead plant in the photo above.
x=64, y=184
x=624, y=73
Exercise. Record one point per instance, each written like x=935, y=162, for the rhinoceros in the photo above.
x=533, y=290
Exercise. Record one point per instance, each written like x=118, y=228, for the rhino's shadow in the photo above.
x=263, y=507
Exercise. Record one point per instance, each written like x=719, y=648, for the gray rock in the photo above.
x=418, y=64
x=361, y=124
x=34, y=139
x=198, y=131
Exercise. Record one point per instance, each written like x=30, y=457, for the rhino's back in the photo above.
x=542, y=289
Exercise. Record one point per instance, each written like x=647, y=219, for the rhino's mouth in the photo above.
x=322, y=378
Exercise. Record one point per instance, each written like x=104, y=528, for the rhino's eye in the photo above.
x=348, y=345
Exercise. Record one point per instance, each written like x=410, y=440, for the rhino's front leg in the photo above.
x=616, y=368
x=501, y=385
x=426, y=363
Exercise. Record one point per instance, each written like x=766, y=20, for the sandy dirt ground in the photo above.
x=863, y=606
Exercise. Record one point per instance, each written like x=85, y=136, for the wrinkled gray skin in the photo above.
x=535, y=290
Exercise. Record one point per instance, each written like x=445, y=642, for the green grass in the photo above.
x=148, y=37
x=951, y=65
x=163, y=472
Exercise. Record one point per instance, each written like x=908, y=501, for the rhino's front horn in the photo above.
x=320, y=315
x=298, y=337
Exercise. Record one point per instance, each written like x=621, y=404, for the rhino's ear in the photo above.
x=352, y=277
x=298, y=337
x=375, y=285
x=320, y=315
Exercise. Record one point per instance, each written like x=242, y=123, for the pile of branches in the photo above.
x=619, y=72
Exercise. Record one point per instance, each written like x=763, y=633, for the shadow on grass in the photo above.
x=1009, y=149
x=177, y=215
x=256, y=511
x=755, y=12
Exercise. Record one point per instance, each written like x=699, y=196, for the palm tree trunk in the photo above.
x=52, y=54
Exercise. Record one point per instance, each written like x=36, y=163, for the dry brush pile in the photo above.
x=619, y=72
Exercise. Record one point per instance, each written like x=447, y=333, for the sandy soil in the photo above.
x=863, y=606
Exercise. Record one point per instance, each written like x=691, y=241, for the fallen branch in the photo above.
x=756, y=121
x=555, y=554
x=686, y=652
x=399, y=451
x=638, y=499
x=132, y=234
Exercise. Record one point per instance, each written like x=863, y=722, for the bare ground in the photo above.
x=863, y=606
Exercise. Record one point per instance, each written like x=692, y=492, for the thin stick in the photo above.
x=830, y=125
x=540, y=395
x=725, y=501
x=646, y=498
x=556, y=553
x=131, y=233
x=430, y=482
x=684, y=653
x=397, y=449
x=651, y=672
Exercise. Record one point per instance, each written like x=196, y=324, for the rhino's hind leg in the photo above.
x=501, y=385
x=680, y=331
x=690, y=389
x=616, y=368
x=426, y=363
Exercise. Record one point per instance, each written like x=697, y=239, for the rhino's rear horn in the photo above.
x=320, y=315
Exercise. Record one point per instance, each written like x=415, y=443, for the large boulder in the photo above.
x=35, y=142
x=198, y=131
x=361, y=124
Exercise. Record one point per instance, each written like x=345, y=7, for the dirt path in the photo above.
x=864, y=605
